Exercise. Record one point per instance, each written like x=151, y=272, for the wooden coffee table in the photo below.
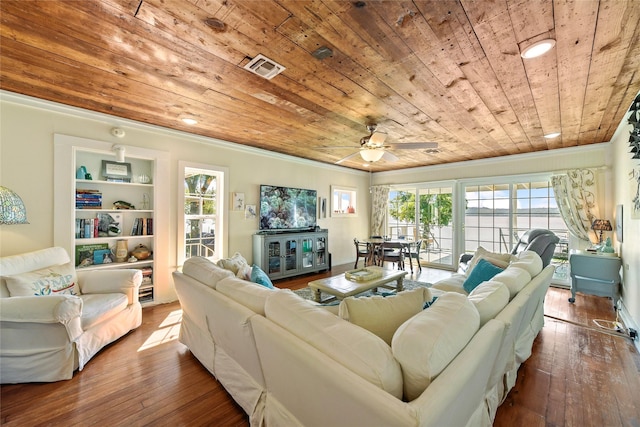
x=341, y=287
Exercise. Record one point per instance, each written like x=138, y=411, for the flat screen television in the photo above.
x=286, y=208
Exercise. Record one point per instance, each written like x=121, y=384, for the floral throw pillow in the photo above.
x=233, y=264
x=54, y=280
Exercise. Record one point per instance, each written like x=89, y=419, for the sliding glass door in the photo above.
x=498, y=214
x=425, y=214
x=492, y=212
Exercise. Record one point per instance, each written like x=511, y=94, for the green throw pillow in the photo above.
x=260, y=277
x=482, y=272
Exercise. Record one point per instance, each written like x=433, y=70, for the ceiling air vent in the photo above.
x=264, y=67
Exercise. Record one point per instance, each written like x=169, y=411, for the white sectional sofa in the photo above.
x=526, y=283
x=288, y=361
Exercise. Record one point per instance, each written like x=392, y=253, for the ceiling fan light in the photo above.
x=538, y=48
x=371, y=154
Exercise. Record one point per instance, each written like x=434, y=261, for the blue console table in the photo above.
x=595, y=275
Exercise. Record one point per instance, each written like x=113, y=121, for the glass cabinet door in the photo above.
x=274, y=257
x=291, y=252
x=307, y=252
x=321, y=251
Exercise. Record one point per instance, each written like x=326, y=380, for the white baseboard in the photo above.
x=629, y=322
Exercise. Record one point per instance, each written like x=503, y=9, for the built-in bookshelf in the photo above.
x=104, y=217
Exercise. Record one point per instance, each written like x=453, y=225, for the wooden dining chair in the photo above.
x=363, y=250
x=394, y=253
x=416, y=255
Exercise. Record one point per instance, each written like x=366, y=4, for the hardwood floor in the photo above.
x=577, y=376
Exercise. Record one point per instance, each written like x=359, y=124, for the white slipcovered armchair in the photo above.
x=54, y=320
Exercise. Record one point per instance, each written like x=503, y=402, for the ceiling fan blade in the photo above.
x=331, y=147
x=349, y=157
x=413, y=145
x=377, y=138
x=390, y=157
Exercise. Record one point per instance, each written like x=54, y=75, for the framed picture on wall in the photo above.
x=619, y=223
x=238, y=201
x=635, y=194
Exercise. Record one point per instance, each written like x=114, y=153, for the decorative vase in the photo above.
x=81, y=173
x=141, y=252
x=122, y=250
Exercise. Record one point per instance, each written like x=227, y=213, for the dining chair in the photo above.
x=394, y=253
x=363, y=250
x=416, y=255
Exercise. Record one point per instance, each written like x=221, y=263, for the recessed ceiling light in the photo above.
x=189, y=120
x=552, y=135
x=538, y=48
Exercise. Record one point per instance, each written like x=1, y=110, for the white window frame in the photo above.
x=222, y=220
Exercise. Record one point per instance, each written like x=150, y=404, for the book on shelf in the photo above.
x=88, y=199
x=85, y=253
x=86, y=228
x=142, y=227
x=102, y=256
x=145, y=294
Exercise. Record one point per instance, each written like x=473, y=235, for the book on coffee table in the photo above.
x=363, y=274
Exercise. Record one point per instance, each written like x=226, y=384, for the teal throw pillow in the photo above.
x=482, y=272
x=428, y=304
x=260, y=277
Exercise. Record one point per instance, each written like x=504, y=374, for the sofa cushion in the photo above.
x=249, y=294
x=383, y=315
x=260, y=277
x=530, y=261
x=53, y=280
x=244, y=272
x=498, y=259
x=352, y=346
x=451, y=284
x=482, y=272
x=489, y=298
x=426, y=343
x=97, y=308
x=205, y=271
x=234, y=263
x=514, y=278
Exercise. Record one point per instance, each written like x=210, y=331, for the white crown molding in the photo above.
x=538, y=155
x=29, y=101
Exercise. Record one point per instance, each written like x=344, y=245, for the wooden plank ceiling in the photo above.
x=445, y=71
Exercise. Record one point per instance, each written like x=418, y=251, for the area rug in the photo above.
x=406, y=285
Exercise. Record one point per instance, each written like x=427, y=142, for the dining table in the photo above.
x=375, y=244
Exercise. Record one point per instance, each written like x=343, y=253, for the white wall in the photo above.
x=27, y=127
x=624, y=191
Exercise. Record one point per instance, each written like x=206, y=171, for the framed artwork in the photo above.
x=619, y=223
x=250, y=212
x=322, y=207
x=116, y=172
x=635, y=194
x=238, y=201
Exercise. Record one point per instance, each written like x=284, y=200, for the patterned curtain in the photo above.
x=379, y=202
x=575, y=194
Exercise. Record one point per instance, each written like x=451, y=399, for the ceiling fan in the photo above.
x=373, y=148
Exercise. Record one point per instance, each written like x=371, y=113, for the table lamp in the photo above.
x=601, y=225
x=12, y=210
